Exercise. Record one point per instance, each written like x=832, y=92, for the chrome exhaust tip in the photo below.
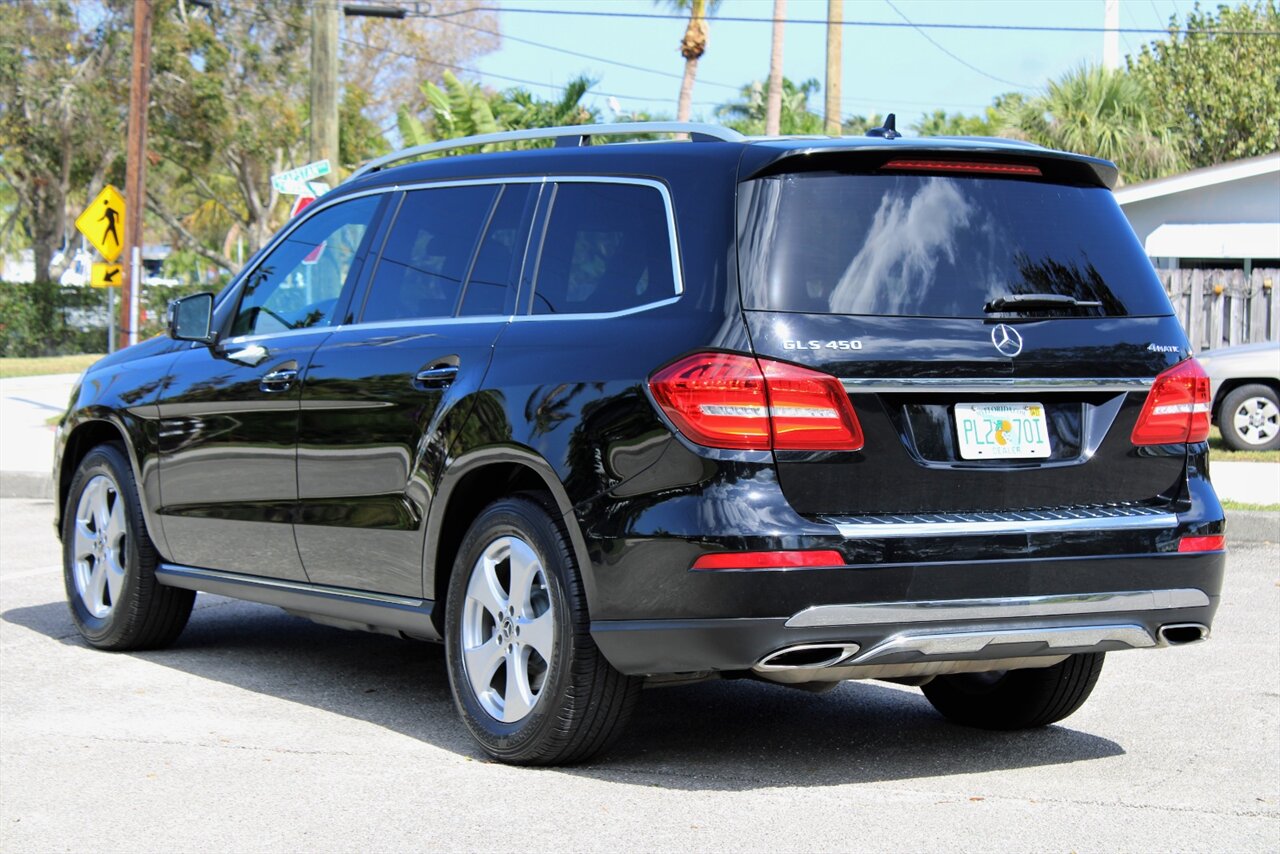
x=1181, y=634
x=806, y=656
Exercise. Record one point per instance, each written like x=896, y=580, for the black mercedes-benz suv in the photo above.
x=601, y=416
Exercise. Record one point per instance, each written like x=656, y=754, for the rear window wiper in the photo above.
x=1017, y=302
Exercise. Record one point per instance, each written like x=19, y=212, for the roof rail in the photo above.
x=572, y=135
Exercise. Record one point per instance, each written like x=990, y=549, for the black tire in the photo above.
x=1258, y=406
x=582, y=703
x=1016, y=699
x=143, y=614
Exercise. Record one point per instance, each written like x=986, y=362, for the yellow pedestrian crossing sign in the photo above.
x=103, y=223
x=106, y=275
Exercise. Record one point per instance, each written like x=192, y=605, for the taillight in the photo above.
x=1213, y=543
x=725, y=400
x=1177, y=408
x=769, y=560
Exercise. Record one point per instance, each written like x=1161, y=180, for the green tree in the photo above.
x=747, y=115
x=942, y=123
x=1096, y=111
x=1221, y=92
x=58, y=120
x=460, y=108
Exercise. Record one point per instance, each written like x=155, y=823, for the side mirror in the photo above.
x=191, y=318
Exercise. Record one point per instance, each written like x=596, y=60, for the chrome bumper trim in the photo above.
x=1087, y=518
x=980, y=385
x=947, y=610
x=974, y=643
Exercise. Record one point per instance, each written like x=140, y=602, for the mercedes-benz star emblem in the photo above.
x=1007, y=340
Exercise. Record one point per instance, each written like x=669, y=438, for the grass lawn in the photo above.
x=23, y=367
x=1243, y=505
x=1221, y=453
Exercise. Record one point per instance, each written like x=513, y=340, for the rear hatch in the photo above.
x=995, y=323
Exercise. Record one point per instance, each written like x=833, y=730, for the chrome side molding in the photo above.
x=946, y=610
x=977, y=385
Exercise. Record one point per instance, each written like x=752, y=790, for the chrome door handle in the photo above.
x=438, y=377
x=277, y=381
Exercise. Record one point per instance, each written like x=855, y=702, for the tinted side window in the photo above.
x=606, y=248
x=427, y=253
x=298, y=284
x=493, y=276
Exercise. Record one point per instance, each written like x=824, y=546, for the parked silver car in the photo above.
x=1245, y=384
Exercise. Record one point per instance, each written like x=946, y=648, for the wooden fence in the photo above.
x=1219, y=308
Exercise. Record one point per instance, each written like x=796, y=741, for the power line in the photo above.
x=568, y=52
x=966, y=64
x=1023, y=28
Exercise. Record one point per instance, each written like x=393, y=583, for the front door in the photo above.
x=229, y=412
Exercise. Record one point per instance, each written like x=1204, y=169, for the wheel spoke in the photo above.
x=94, y=589
x=84, y=539
x=115, y=527
x=539, y=633
x=485, y=589
x=517, y=700
x=113, y=569
x=482, y=662
x=525, y=567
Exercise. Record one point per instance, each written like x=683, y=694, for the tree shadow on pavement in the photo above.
x=726, y=735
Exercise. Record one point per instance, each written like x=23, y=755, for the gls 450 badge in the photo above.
x=852, y=344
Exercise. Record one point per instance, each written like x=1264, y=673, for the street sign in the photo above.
x=107, y=275
x=103, y=223
x=287, y=182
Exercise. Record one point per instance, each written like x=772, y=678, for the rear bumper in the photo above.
x=914, y=635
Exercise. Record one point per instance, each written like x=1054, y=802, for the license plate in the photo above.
x=1011, y=430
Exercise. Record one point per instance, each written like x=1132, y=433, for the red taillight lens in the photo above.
x=963, y=166
x=724, y=400
x=768, y=560
x=1202, y=544
x=1177, y=408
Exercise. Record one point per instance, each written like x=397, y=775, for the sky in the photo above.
x=885, y=69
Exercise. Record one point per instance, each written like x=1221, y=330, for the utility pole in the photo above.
x=773, y=98
x=835, y=27
x=136, y=171
x=324, y=83
x=1111, y=35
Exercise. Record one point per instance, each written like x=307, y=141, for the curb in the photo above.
x=26, y=484
x=1253, y=526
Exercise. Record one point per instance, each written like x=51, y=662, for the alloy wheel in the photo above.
x=99, y=548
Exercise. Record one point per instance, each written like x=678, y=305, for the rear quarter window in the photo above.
x=607, y=248
x=936, y=246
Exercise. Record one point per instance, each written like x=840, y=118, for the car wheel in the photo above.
x=1250, y=418
x=527, y=678
x=109, y=561
x=1016, y=699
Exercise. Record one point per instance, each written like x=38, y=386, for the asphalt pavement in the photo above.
x=259, y=731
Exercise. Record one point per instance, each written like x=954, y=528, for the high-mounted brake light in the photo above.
x=963, y=166
x=1177, y=407
x=726, y=400
x=768, y=560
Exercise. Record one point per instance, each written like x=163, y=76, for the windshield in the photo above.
x=934, y=246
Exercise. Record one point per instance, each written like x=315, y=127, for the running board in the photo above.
x=352, y=608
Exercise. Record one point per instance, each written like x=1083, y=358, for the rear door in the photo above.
x=384, y=397
x=996, y=331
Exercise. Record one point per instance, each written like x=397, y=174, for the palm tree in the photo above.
x=1097, y=111
x=692, y=46
x=773, y=107
x=747, y=115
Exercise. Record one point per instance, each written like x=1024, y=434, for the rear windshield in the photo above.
x=934, y=246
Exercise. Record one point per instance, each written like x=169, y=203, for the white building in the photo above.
x=1221, y=217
